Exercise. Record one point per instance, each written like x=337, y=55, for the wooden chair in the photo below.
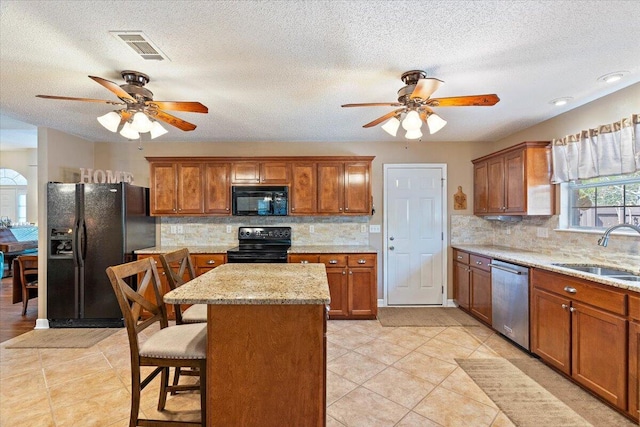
x=179, y=346
x=181, y=259
x=28, y=265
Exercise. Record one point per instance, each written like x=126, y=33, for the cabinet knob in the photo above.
x=459, y=256
x=227, y=209
x=346, y=209
x=564, y=306
x=572, y=309
x=362, y=261
x=350, y=273
x=479, y=262
x=304, y=261
x=210, y=262
x=293, y=209
x=333, y=261
x=340, y=209
x=570, y=289
x=344, y=272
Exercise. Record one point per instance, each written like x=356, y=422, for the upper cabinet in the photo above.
x=514, y=181
x=327, y=185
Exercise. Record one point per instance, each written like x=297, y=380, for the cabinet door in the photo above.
x=245, y=173
x=338, y=289
x=495, y=189
x=356, y=188
x=480, y=188
x=599, y=358
x=551, y=329
x=164, y=188
x=362, y=295
x=514, y=183
x=634, y=369
x=304, y=189
x=303, y=258
x=217, y=199
x=461, y=284
x=330, y=187
x=274, y=173
x=190, y=191
x=480, y=289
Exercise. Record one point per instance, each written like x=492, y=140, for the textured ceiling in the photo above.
x=279, y=70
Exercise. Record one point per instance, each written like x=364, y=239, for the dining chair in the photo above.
x=179, y=270
x=176, y=346
x=28, y=265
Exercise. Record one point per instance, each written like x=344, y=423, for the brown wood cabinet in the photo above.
x=573, y=321
x=344, y=188
x=634, y=359
x=472, y=284
x=205, y=262
x=352, y=283
x=515, y=181
x=176, y=188
x=325, y=185
x=260, y=172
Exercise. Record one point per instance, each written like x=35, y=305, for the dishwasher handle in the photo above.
x=508, y=270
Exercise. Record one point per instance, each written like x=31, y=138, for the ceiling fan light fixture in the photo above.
x=413, y=134
x=141, y=122
x=110, y=121
x=157, y=130
x=435, y=123
x=391, y=127
x=412, y=121
x=129, y=132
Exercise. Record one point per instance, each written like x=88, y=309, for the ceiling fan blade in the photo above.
x=68, y=98
x=425, y=88
x=120, y=93
x=465, y=101
x=172, y=120
x=375, y=104
x=191, y=107
x=383, y=118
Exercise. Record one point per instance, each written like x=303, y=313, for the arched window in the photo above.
x=13, y=196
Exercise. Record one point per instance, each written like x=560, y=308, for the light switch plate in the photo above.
x=312, y=229
x=374, y=228
x=173, y=229
x=228, y=229
x=363, y=228
x=180, y=229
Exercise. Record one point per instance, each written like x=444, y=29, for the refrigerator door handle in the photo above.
x=82, y=242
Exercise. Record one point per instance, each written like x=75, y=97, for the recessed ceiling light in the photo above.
x=558, y=102
x=612, y=77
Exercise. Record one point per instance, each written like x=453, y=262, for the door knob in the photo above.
x=392, y=238
x=391, y=248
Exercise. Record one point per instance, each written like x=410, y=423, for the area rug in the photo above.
x=62, y=338
x=424, y=316
x=528, y=403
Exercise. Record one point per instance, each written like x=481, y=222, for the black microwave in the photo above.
x=259, y=200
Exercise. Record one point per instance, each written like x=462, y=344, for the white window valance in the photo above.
x=612, y=149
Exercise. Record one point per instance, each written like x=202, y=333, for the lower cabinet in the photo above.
x=634, y=359
x=352, y=283
x=579, y=327
x=472, y=284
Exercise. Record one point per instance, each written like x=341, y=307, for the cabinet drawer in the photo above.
x=634, y=306
x=303, y=258
x=362, y=260
x=208, y=260
x=333, y=260
x=479, y=262
x=460, y=256
x=581, y=290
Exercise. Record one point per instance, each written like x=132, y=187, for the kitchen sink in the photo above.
x=604, y=271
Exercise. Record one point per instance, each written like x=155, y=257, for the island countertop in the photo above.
x=256, y=284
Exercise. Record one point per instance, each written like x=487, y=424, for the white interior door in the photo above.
x=414, y=234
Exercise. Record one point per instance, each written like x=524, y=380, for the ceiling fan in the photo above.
x=140, y=113
x=416, y=102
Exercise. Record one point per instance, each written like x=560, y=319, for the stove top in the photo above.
x=261, y=244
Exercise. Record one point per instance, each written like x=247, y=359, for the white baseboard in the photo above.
x=450, y=303
x=42, y=324
x=381, y=303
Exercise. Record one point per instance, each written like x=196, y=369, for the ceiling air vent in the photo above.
x=140, y=44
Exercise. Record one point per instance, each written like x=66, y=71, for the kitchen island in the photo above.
x=266, y=352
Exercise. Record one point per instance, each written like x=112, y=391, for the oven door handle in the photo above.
x=508, y=270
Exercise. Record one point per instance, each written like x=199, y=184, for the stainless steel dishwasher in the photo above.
x=510, y=301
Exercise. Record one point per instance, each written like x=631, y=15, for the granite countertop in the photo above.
x=294, y=249
x=253, y=284
x=546, y=261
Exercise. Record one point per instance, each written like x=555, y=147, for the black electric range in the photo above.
x=261, y=245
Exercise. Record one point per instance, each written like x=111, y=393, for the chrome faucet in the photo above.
x=604, y=240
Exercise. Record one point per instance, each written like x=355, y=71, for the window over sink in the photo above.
x=599, y=203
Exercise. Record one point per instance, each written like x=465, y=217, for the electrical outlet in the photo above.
x=180, y=229
x=508, y=230
x=374, y=228
x=228, y=229
x=542, y=232
x=363, y=228
x=173, y=229
x=312, y=229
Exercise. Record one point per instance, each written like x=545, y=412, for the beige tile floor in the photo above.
x=376, y=376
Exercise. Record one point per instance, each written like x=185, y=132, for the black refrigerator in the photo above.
x=91, y=227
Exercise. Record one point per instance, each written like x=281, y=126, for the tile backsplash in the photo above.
x=206, y=231
x=539, y=234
